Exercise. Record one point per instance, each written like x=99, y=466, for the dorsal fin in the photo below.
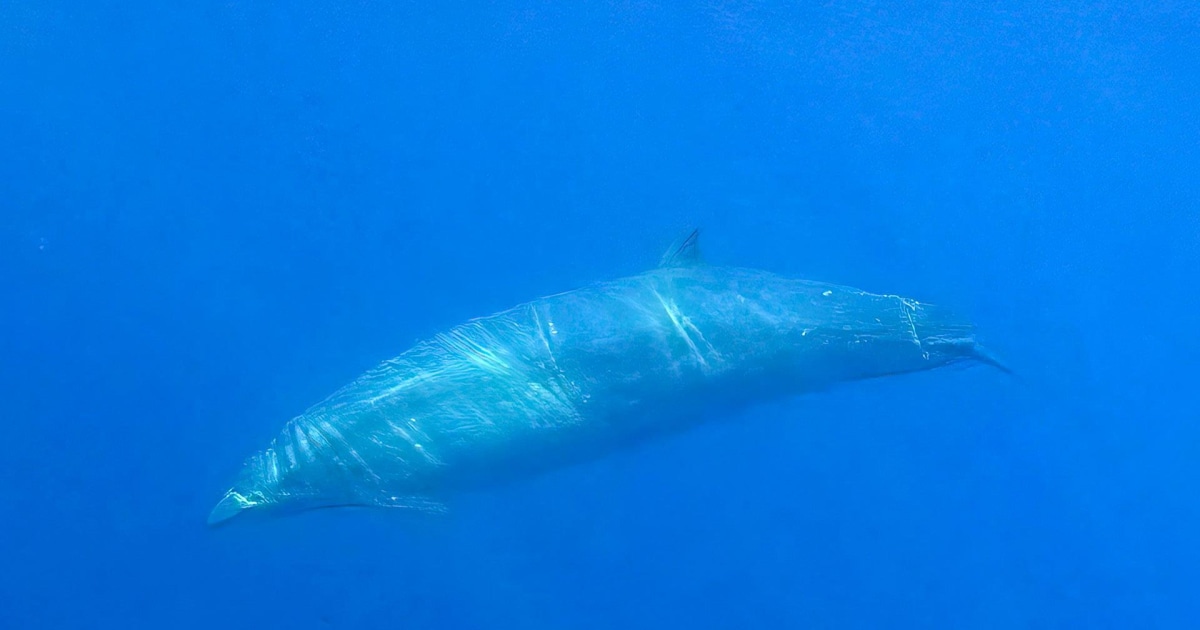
x=683, y=253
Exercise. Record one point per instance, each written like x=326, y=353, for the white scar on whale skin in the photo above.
x=683, y=325
x=576, y=375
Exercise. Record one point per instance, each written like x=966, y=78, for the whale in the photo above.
x=575, y=376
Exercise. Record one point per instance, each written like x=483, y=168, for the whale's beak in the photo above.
x=231, y=505
x=985, y=356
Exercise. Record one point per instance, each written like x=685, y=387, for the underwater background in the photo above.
x=213, y=215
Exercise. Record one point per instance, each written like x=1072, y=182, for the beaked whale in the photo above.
x=576, y=375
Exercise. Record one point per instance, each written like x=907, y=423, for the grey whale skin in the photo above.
x=573, y=376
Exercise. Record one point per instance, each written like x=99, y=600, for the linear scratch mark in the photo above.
x=537, y=323
x=908, y=307
x=673, y=315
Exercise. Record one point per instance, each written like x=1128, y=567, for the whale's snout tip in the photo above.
x=232, y=504
x=987, y=357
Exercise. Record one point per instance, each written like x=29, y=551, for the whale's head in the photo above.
x=942, y=337
x=269, y=486
x=257, y=490
x=233, y=504
x=873, y=336
x=258, y=498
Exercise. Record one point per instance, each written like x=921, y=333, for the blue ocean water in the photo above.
x=213, y=215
